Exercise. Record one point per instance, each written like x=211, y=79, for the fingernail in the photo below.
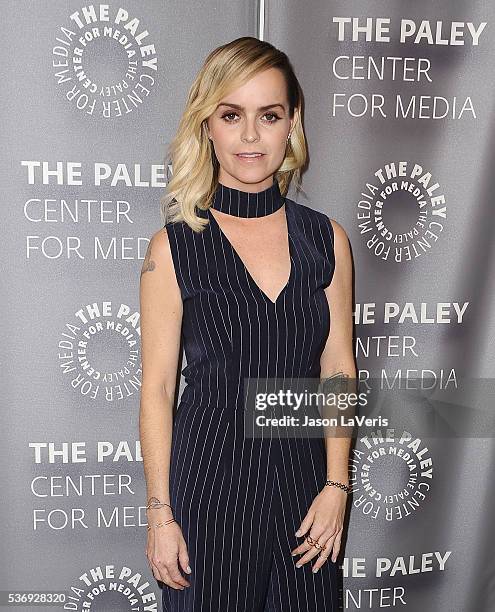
x=315, y=570
x=298, y=533
x=188, y=569
x=298, y=565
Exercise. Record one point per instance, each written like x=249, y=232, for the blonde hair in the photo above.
x=191, y=154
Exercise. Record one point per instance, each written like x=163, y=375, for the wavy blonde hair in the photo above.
x=191, y=154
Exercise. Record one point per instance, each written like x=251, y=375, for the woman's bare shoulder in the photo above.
x=158, y=265
x=341, y=244
x=339, y=232
x=159, y=251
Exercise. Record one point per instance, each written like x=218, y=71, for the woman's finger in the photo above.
x=184, y=557
x=306, y=524
x=327, y=542
x=316, y=532
x=336, y=546
x=168, y=581
x=169, y=574
x=313, y=550
x=174, y=573
x=302, y=548
x=323, y=557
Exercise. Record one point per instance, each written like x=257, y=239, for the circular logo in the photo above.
x=391, y=476
x=104, y=61
x=108, y=588
x=99, y=351
x=403, y=215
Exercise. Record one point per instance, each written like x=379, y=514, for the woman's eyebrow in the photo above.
x=261, y=108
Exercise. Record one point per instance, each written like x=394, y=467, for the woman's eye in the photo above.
x=228, y=115
x=272, y=117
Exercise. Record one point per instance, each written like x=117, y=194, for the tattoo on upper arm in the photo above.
x=148, y=264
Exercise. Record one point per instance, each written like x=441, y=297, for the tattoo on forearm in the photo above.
x=339, y=382
x=148, y=264
x=342, y=386
x=154, y=502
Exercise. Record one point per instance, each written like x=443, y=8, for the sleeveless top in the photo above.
x=231, y=329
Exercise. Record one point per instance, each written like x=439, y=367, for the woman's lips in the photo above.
x=249, y=157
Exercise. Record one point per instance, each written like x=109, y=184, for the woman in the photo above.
x=247, y=278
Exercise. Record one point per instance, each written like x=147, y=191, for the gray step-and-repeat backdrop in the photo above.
x=398, y=104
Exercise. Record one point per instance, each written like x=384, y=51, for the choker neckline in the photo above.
x=247, y=204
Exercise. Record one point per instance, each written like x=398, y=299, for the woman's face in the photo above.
x=252, y=119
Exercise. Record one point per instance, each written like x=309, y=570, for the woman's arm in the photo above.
x=324, y=521
x=161, y=318
x=161, y=321
x=337, y=360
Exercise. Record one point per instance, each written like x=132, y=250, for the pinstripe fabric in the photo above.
x=238, y=500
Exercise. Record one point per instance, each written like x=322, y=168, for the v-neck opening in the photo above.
x=244, y=267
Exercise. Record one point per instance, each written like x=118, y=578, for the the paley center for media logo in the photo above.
x=99, y=351
x=104, y=60
x=391, y=473
x=401, y=212
x=111, y=587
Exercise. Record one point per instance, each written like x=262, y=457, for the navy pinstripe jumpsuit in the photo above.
x=240, y=500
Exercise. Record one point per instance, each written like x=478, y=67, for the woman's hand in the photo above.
x=324, y=523
x=165, y=546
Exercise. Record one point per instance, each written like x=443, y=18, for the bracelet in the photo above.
x=161, y=524
x=155, y=503
x=342, y=486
